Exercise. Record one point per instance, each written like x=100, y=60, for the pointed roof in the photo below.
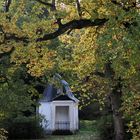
x=51, y=93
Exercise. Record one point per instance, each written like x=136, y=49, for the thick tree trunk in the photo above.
x=115, y=98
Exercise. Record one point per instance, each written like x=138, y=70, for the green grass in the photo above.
x=82, y=135
x=88, y=131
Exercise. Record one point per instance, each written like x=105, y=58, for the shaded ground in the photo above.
x=88, y=131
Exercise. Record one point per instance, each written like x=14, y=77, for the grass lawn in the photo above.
x=82, y=135
x=88, y=131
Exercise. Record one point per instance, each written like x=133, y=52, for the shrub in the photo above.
x=105, y=127
x=24, y=128
x=102, y=126
x=87, y=125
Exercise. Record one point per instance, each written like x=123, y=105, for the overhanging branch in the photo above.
x=74, y=24
x=71, y=25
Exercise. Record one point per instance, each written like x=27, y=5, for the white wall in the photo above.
x=76, y=117
x=45, y=111
x=52, y=112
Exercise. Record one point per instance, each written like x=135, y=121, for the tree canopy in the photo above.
x=94, y=44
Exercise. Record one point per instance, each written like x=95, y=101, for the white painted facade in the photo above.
x=59, y=115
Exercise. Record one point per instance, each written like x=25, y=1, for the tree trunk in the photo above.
x=115, y=98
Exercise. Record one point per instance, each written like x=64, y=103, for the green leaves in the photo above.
x=80, y=55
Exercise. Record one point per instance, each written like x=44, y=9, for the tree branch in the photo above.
x=53, y=8
x=10, y=36
x=97, y=73
x=74, y=24
x=71, y=25
x=7, y=5
x=78, y=8
x=58, y=20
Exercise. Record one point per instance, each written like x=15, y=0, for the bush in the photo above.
x=105, y=127
x=87, y=125
x=102, y=126
x=24, y=128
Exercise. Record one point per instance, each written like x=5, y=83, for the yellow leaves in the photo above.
x=131, y=104
x=66, y=39
x=131, y=71
x=131, y=109
x=70, y=13
x=38, y=66
x=7, y=47
x=103, y=11
x=125, y=63
x=19, y=10
x=88, y=8
x=95, y=9
x=38, y=28
x=84, y=65
x=38, y=60
x=12, y=28
x=35, y=70
x=19, y=55
x=84, y=54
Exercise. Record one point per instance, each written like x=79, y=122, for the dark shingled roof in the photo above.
x=51, y=93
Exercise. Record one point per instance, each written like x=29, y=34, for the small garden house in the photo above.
x=59, y=108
